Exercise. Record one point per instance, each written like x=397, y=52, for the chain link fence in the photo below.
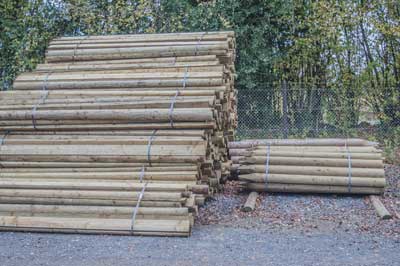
x=288, y=111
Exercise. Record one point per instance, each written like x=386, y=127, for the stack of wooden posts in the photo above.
x=118, y=134
x=349, y=166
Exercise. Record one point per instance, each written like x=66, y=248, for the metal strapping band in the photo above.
x=141, y=176
x=133, y=220
x=267, y=164
x=3, y=139
x=153, y=135
x=45, y=81
x=2, y=143
x=171, y=108
x=198, y=43
x=77, y=45
x=41, y=100
x=349, y=167
x=173, y=63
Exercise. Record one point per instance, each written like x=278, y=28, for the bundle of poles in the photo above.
x=343, y=166
x=123, y=134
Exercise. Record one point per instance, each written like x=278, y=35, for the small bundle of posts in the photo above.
x=343, y=166
x=122, y=134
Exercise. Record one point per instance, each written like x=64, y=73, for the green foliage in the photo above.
x=334, y=55
x=391, y=143
x=26, y=27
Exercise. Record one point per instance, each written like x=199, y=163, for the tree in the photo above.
x=26, y=27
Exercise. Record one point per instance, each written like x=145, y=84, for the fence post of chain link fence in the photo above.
x=285, y=126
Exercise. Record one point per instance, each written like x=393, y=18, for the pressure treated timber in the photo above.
x=121, y=134
x=342, y=166
x=380, y=208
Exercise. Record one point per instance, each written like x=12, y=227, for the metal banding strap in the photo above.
x=3, y=139
x=41, y=100
x=77, y=45
x=267, y=164
x=133, y=220
x=252, y=146
x=74, y=54
x=198, y=43
x=171, y=108
x=174, y=62
x=349, y=185
x=45, y=81
x=153, y=135
x=141, y=175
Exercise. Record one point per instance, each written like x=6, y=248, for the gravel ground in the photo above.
x=284, y=230
x=209, y=245
x=308, y=212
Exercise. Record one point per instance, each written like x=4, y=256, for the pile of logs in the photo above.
x=123, y=134
x=348, y=166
